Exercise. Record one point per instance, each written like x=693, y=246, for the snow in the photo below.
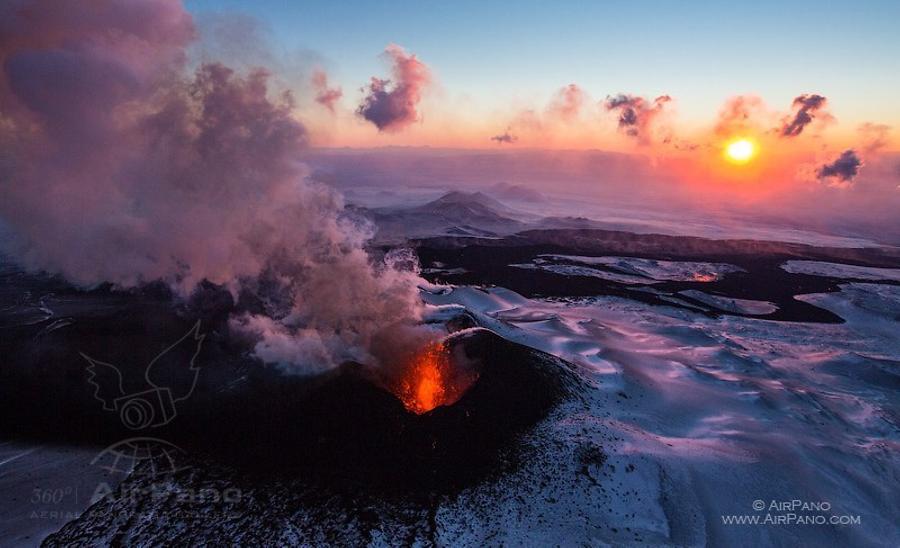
x=698, y=417
x=837, y=270
x=679, y=271
x=730, y=304
x=575, y=270
x=629, y=270
x=42, y=487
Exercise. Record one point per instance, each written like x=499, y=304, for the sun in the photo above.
x=740, y=151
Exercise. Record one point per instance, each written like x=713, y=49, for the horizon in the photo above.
x=449, y=274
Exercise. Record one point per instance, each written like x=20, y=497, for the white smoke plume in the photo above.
x=122, y=165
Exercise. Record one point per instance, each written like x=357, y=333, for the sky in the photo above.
x=489, y=60
x=758, y=107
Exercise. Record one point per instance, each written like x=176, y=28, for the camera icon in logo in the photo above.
x=148, y=409
x=166, y=379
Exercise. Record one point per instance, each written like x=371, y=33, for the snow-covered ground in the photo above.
x=587, y=271
x=44, y=486
x=837, y=270
x=676, y=271
x=629, y=270
x=730, y=304
x=701, y=419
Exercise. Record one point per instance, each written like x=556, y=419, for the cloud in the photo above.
x=874, y=136
x=121, y=165
x=567, y=103
x=737, y=115
x=636, y=114
x=391, y=106
x=808, y=106
x=325, y=96
x=845, y=168
x=505, y=138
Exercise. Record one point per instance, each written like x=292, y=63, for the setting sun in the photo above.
x=740, y=151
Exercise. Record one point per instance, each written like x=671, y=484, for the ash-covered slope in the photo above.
x=340, y=461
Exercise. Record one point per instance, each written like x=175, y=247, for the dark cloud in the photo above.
x=845, y=168
x=325, y=96
x=505, y=138
x=636, y=114
x=391, y=106
x=807, y=106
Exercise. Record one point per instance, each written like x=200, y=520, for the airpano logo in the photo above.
x=789, y=513
x=152, y=401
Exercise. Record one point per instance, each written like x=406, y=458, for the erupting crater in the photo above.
x=430, y=379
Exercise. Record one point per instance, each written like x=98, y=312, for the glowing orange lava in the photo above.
x=429, y=380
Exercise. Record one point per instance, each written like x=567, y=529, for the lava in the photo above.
x=430, y=380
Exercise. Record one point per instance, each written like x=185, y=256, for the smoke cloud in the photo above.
x=121, y=166
x=391, y=106
x=845, y=168
x=807, y=106
x=636, y=114
x=325, y=96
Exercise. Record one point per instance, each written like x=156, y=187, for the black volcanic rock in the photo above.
x=332, y=455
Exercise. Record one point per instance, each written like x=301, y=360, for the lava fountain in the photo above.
x=430, y=379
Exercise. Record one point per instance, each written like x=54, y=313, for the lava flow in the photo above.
x=429, y=380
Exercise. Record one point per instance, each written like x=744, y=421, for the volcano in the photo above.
x=340, y=440
x=347, y=425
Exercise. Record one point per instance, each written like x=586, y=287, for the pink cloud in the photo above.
x=391, y=105
x=636, y=114
x=325, y=96
x=567, y=102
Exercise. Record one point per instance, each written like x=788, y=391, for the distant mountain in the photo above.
x=568, y=222
x=455, y=213
x=515, y=192
x=459, y=205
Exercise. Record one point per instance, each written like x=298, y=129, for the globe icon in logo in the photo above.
x=141, y=456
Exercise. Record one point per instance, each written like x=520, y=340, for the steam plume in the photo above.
x=120, y=166
x=393, y=107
